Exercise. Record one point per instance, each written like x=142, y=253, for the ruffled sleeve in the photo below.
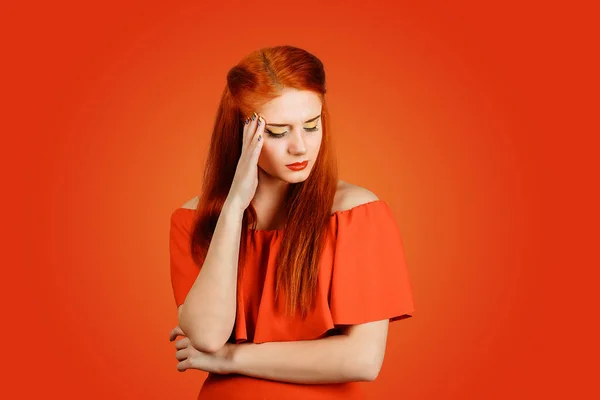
x=369, y=280
x=183, y=269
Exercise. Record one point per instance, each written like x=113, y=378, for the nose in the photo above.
x=297, y=145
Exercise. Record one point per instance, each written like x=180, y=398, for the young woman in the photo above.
x=284, y=276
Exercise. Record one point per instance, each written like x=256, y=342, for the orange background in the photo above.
x=468, y=119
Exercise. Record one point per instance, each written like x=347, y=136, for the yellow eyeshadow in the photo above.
x=275, y=130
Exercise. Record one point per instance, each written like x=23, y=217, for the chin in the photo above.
x=295, y=176
x=286, y=175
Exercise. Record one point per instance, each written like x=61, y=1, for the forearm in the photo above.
x=208, y=314
x=332, y=359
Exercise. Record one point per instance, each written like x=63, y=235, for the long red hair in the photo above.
x=258, y=78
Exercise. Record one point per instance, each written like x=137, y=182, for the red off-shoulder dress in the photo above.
x=362, y=277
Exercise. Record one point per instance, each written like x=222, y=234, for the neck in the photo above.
x=268, y=200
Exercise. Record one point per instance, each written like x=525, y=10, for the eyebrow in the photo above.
x=310, y=120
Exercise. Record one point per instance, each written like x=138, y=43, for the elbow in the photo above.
x=201, y=340
x=204, y=340
x=369, y=368
x=205, y=346
x=371, y=372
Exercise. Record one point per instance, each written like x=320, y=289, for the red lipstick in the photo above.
x=298, y=166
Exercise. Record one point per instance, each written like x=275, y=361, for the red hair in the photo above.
x=258, y=78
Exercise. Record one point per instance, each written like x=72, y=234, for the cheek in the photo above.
x=269, y=154
x=315, y=142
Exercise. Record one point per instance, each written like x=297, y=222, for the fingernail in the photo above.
x=254, y=116
x=260, y=120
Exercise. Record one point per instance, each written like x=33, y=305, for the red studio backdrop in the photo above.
x=471, y=120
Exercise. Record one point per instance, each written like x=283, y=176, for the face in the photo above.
x=292, y=134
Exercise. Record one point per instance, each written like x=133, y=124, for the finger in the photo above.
x=181, y=355
x=257, y=150
x=246, y=123
x=182, y=344
x=260, y=128
x=259, y=139
x=182, y=366
x=175, y=332
x=250, y=129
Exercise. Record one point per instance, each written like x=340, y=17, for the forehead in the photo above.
x=293, y=106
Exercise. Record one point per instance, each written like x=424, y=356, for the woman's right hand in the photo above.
x=245, y=180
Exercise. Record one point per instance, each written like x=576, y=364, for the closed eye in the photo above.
x=281, y=134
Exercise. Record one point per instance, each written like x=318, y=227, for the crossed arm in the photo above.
x=354, y=355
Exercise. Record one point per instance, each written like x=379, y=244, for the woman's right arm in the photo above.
x=208, y=314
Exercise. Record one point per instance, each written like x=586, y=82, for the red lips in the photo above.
x=298, y=164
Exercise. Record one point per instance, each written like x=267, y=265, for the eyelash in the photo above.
x=279, y=135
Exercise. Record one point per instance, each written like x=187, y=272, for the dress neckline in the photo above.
x=337, y=213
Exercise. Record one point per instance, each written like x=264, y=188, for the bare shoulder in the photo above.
x=192, y=204
x=349, y=196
